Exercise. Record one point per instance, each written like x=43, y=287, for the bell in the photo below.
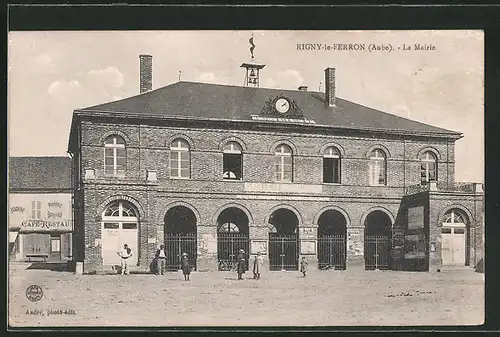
x=252, y=73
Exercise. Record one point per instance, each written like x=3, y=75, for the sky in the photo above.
x=52, y=73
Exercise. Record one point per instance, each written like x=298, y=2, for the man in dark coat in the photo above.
x=186, y=268
x=241, y=264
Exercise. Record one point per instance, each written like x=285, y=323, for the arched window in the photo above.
x=283, y=163
x=377, y=168
x=331, y=165
x=428, y=167
x=455, y=216
x=229, y=227
x=180, y=159
x=115, y=156
x=232, y=161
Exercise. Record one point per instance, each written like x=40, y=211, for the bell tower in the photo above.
x=252, y=69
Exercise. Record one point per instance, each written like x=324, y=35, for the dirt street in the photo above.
x=328, y=298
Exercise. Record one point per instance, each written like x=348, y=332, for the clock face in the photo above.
x=282, y=105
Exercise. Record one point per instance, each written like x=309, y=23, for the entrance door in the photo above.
x=453, y=245
x=36, y=243
x=377, y=252
x=111, y=243
x=114, y=236
x=178, y=244
x=119, y=227
x=55, y=247
x=283, y=252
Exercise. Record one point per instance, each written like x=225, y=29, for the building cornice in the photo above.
x=256, y=124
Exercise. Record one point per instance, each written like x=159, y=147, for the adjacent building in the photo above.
x=210, y=169
x=40, y=209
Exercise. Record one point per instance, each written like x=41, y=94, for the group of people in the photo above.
x=161, y=259
x=257, y=265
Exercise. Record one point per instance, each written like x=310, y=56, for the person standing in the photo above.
x=241, y=264
x=303, y=266
x=125, y=254
x=186, y=268
x=257, y=264
x=161, y=259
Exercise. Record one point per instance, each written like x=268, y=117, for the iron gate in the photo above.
x=176, y=245
x=228, y=246
x=377, y=252
x=283, y=252
x=331, y=252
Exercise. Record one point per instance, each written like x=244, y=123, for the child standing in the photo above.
x=186, y=268
x=303, y=266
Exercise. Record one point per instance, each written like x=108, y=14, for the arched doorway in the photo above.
x=180, y=236
x=120, y=225
x=455, y=238
x=332, y=230
x=283, y=240
x=378, y=229
x=232, y=235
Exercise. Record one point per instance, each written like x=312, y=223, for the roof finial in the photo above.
x=180, y=73
x=252, y=47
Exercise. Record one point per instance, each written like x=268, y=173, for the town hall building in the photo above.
x=209, y=169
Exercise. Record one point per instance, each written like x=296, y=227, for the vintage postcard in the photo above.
x=245, y=178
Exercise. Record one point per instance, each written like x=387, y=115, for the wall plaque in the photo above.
x=258, y=246
x=308, y=247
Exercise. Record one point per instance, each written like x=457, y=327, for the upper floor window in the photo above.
x=377, y=168
x=283, y=159
x=180, y=160
x=232, y=163
x=331, y=165
x=36, y=210
x=428, y=167
x=115, y=156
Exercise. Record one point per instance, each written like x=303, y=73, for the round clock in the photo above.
x=282, y=105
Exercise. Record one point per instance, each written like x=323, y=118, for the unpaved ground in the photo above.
x=328, y=298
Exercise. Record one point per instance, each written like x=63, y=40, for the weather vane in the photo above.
x=252, y=47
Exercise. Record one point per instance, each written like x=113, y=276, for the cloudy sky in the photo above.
x=53, y=73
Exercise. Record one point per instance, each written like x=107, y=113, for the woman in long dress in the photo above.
x=241, y=264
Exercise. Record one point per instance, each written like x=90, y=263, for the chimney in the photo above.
x=303, y=88
x=330, y=87
x=146, y=73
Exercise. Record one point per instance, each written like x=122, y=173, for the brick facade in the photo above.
x=206, y=193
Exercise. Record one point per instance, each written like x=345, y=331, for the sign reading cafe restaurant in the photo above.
x=33, y=225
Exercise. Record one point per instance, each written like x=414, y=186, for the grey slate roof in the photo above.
x=213, y=101
x=39, y=173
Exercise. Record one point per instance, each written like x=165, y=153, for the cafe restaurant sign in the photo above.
x=46, y=225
